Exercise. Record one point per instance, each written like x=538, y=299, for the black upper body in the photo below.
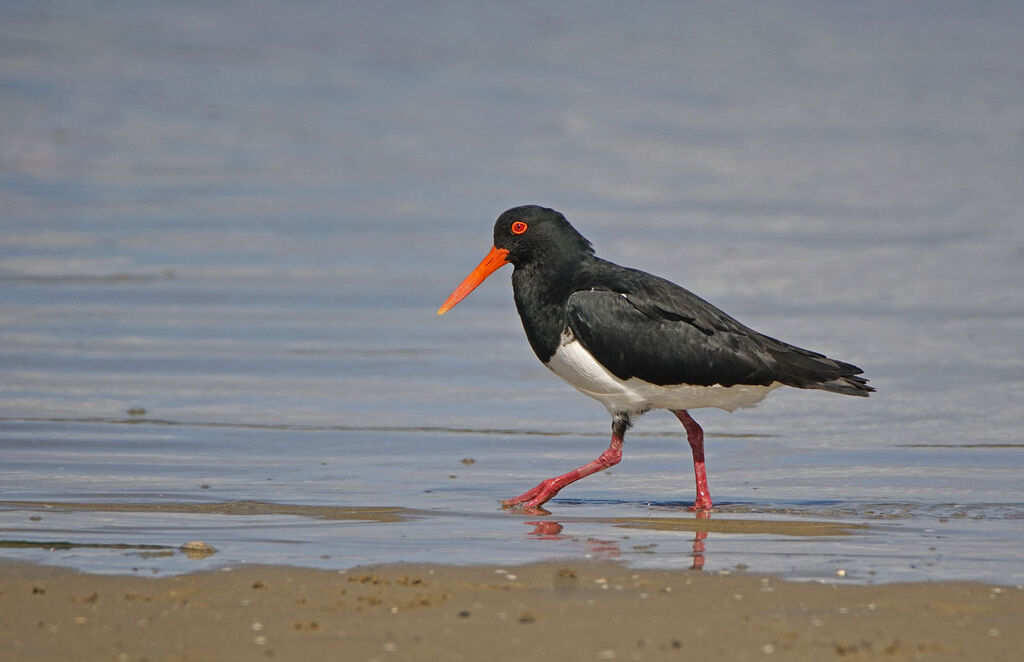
x=640, y=325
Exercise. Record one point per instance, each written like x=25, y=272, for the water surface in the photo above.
x=225, y=234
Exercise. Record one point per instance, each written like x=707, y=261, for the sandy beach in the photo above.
x=227, y=227
x=578, y=611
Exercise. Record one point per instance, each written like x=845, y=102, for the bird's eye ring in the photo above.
x=518, y=227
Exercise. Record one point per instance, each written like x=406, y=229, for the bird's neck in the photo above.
x=541, y=291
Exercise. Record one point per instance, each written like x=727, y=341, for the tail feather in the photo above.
x=806, y=369
x=848, y=385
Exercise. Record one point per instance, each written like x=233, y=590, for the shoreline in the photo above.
x=586, y=610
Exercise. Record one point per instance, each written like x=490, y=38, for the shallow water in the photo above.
x=226, y=232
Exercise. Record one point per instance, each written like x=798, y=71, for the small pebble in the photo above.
x=197, y=546
x=197, y=549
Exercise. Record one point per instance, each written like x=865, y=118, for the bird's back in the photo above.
x=640, y=325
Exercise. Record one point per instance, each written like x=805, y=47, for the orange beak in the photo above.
x=497, y=258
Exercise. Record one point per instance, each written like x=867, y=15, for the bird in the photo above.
x=636, y=342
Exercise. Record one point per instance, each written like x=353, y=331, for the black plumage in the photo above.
x=640, y=325
x=652, y=335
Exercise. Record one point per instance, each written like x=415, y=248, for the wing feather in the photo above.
x=665, y=334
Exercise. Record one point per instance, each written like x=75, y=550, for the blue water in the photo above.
x=225, y=231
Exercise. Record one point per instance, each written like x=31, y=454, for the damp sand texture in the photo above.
x=578, y=611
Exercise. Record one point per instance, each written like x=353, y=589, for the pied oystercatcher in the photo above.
x=635, y=341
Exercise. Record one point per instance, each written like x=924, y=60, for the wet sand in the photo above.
x=579, y=611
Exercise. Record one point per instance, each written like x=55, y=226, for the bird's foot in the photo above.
x=525, y=508
x=701, y=505
x=531, y=500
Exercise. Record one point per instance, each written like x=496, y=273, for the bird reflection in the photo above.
x=611, y=549
x=546, y=530
x=698, y=542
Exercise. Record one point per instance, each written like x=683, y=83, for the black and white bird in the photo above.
x=635, y=341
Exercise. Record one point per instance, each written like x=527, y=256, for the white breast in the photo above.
x=573, y=363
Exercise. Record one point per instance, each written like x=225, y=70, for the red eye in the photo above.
x=518, y=227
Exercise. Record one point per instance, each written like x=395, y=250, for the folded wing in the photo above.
x=664, y=334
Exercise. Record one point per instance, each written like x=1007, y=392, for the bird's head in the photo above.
x=523, y=235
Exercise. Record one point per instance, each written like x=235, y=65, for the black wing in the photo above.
x=665, y=334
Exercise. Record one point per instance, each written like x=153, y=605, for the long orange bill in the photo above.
x=497, y=258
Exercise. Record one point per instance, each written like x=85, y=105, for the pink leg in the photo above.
x=533, y=499
x=695, y=435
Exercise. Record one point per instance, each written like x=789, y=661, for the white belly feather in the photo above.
x=573, y=363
